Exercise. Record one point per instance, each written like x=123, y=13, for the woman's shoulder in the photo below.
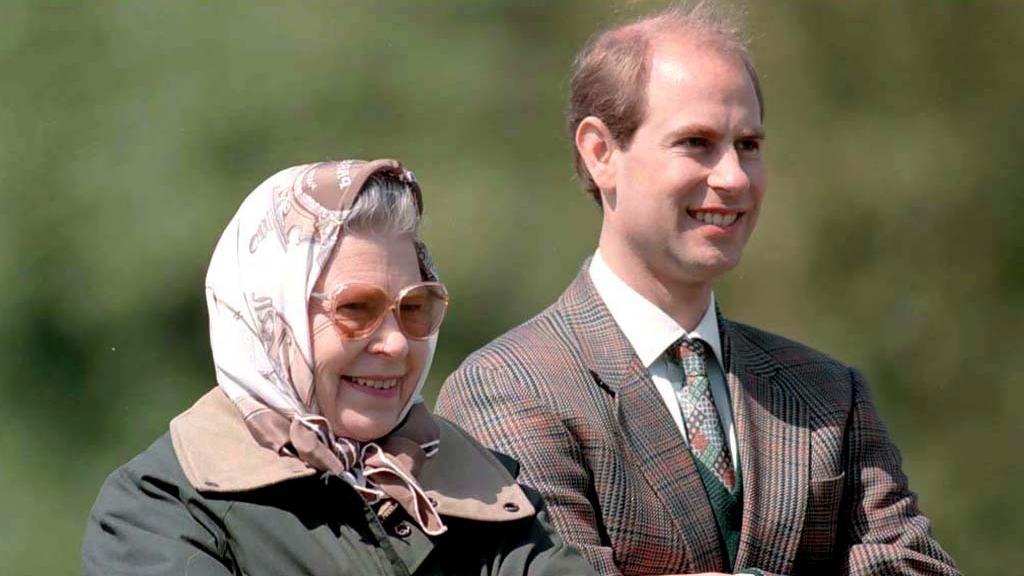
x=218, y=454
x=499, y=521
x=464, y=445
x=469, y=481
x=157, y=463
x=148, y=512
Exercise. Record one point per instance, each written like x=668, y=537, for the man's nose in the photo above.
x=728, y=173
x=388, y=339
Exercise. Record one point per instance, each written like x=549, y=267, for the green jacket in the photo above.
x=207, y=500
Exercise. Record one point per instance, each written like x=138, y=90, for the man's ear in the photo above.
x=595, y=144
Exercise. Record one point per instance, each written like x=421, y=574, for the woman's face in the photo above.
x=362, y=385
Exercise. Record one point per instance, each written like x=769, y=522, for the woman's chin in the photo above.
x=365, y=409
x=366, y=426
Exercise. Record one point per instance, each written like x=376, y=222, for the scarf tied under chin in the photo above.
x=377, y=470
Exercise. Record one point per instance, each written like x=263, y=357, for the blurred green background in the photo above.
x=130, y=132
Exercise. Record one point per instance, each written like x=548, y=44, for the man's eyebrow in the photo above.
x=693, y=130
x=705, y=131
x=753, y=134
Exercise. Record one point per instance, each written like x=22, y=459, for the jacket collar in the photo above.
x=604, y=349
x=218, y=454
x=649, y=329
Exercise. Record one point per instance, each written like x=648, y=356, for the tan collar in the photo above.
x=218, y=454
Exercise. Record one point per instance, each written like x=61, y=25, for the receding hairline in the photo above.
x=703, y=46
x=713, y=21
x=701, y=26
x=611, y=73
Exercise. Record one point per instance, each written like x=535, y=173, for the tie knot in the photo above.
x=690, y=356
x=687, y=348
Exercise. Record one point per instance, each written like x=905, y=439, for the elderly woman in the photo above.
x=314, y=454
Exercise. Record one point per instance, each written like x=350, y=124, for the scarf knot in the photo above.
x=376, y=470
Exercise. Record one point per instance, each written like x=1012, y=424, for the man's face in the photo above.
x=688, y=189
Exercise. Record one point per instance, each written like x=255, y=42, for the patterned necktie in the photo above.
x=704, y=428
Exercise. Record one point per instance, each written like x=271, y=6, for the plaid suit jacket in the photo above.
x=824, y=492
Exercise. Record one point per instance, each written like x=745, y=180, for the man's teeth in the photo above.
x=378, y=384
x=715, y=218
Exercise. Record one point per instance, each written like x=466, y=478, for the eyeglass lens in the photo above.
x=359, y=309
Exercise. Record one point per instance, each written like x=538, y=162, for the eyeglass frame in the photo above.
x=324, y=299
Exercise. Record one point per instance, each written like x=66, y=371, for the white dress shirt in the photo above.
x=651, y=331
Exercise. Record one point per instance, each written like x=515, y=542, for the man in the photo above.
x=665, y=438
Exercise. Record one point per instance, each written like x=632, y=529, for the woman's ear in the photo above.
x=596, y=146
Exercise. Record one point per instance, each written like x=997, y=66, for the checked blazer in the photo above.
x=823, y=489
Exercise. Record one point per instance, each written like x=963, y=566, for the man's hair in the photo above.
x=385, y=205
x=610, y=73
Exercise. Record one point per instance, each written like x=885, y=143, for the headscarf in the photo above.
x=257, y=289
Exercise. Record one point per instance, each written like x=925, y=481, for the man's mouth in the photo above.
x=715, y=217
x=374, y=382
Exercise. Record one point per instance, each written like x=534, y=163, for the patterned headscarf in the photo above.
x=257, y=289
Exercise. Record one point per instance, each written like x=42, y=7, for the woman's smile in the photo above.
x=380, y=386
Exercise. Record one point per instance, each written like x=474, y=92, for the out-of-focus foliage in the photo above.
x=130, y=132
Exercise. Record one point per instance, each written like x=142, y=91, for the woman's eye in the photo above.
x=352, y=307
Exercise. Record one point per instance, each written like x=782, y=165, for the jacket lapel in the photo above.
x=644, y=422
x=774, y=446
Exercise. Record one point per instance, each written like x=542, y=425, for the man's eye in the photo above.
x=693, y=142
x=748, y=145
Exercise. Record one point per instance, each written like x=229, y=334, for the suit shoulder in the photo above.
x=787, y=352
x=544, y=342
x=824, y=382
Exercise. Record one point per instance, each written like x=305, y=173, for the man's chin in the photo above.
x=704, y=268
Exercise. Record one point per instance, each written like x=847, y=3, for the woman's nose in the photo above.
x=388, y=339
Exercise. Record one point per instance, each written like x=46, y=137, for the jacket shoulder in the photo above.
x=823, y=381
x=471, y=482
x=499, y=460
x=156, y=470
x=147, y=514
x=157, y=462
x=786, y=352
x=535, y=348
x=466, y=446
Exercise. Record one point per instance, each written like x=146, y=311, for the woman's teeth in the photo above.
x=715, y=218
x=378, y=384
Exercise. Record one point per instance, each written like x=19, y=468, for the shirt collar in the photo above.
x=647, y=328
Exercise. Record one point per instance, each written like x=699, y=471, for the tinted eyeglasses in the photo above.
x=357, y=309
